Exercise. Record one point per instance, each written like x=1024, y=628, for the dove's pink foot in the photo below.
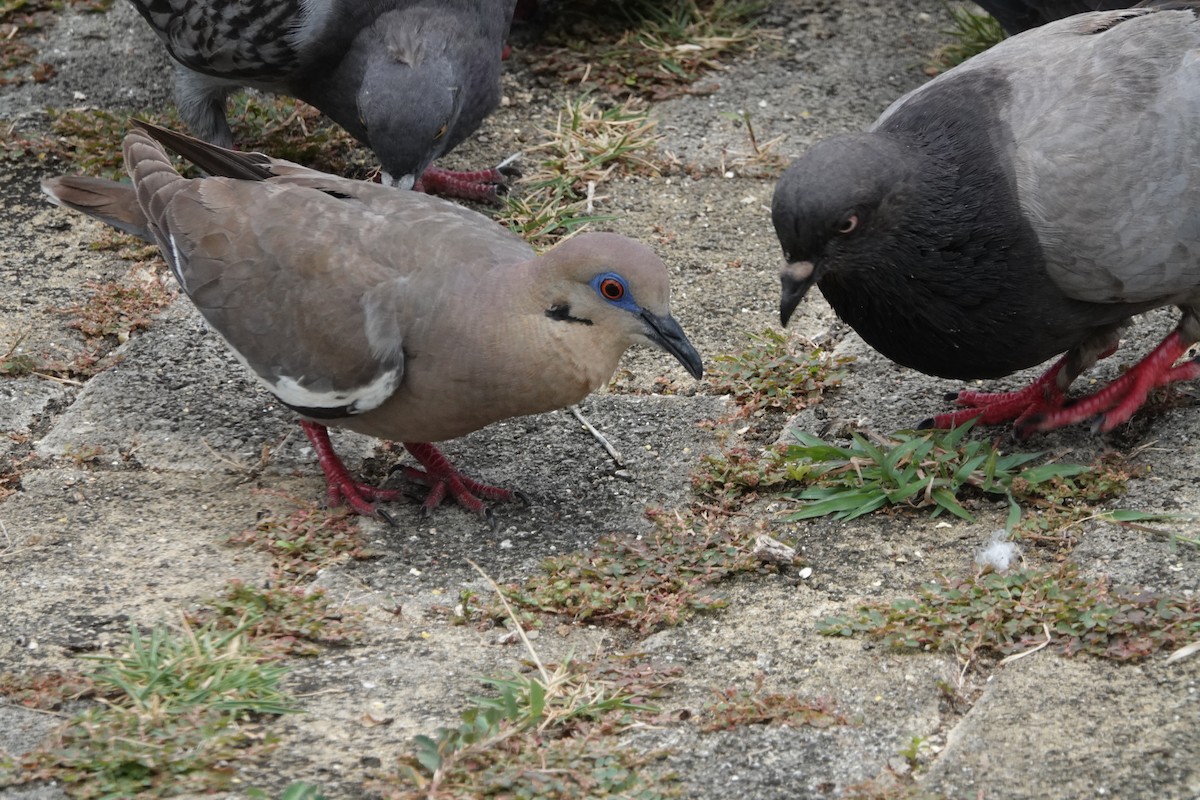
x=360, y=497
x=443, y=479
x=485, y=185
x=1117, y=402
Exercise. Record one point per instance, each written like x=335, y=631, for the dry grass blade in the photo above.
x=587, y=145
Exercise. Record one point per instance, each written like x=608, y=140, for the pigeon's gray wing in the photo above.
x=254, y=41
x=1104, y=111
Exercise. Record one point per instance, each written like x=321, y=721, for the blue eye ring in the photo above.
x=613, y=288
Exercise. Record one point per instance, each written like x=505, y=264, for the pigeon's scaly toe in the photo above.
x=1119, y=400
x=484, y=185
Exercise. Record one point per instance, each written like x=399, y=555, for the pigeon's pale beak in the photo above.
x=403, y=182
x=666, y=333
x=796, y=279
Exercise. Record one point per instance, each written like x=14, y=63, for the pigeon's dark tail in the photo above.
x=214, y=160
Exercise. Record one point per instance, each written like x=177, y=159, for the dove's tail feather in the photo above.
x=108, y=201
x=214, y=160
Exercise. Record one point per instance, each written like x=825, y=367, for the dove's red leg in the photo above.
x=343, y=488
x=1118, y=401
x=443, y=479
x=484, y=185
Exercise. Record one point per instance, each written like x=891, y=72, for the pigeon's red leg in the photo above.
x=443, y=479
x=993, y=407
x=343, y=488
x=1118, y=401
x=485, y=185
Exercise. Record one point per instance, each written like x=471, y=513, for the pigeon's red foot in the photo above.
x=1041, y=406
x=443, y=479
x=1117, y=402
x=485, y=185
x=360, y=497
x=990, y=408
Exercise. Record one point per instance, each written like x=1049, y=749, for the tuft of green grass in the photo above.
x=971, y=32
x=653, y=49
x=288, y=620
x=733, y=708
x=1004, y=614
x=773, y=373
x=180, y=711
x=928, y=469
x=587, y=145
x=642, y=583
x=544, y=734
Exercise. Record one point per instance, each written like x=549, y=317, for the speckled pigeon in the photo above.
x=394, y=314
x=1024, y=204
x=410, y=79
x=1020, y=15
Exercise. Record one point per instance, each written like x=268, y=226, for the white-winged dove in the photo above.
x=394, y=314
x=411, y=79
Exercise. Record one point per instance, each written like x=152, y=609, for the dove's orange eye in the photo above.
x=612, y=289
x=441, y=132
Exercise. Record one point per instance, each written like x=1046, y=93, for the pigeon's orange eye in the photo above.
x=441, y=132
x=612, y=289
x=848, y=224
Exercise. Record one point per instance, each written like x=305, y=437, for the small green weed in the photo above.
x=306, y=540
x=1008, y=613
x=586, y=146
x=288, y=620
x=972, y=33
x=736, y=475
x=733, y=708
x=118, y=309
x=773, y=373
x=45, y=690
x=540, y=735
x=642, y=583
x=179, y=713
x=91, y=359
x=927, y=469
x=646, y=48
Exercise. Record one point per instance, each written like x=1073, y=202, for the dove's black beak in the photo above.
x=665, y=332
x=796, y=279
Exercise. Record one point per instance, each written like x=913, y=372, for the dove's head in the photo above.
x=602, y=293
x=409, y=99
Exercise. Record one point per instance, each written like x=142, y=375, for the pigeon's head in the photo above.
x=603, y=293
x=833, y=209
x=408, y=102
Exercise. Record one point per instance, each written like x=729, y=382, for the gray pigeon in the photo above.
x=411, y=79
x=394, y=314
x=1020, y=15
x=1024, y=204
